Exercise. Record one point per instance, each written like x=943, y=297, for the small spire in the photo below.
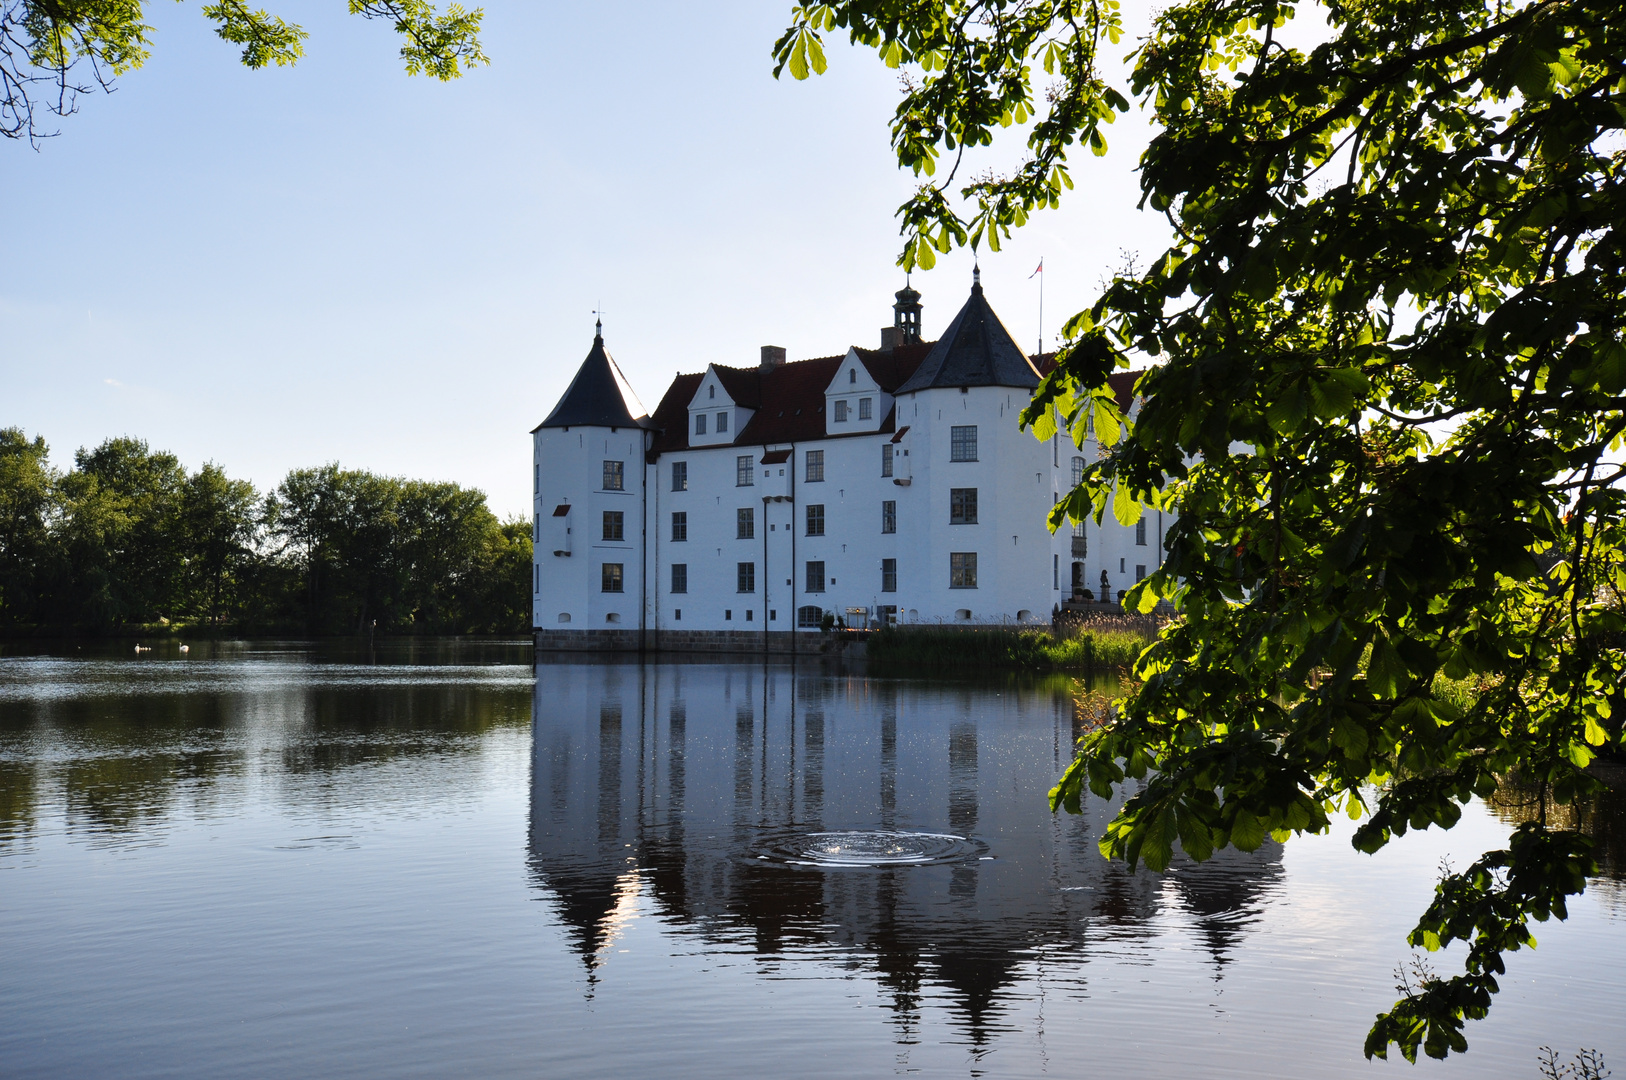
x=598, y=329
x=976, y=277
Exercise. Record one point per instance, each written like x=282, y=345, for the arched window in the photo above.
x=809, y=616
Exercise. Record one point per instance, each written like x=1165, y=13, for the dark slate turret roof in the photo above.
x=599, y=396
x=975, y=350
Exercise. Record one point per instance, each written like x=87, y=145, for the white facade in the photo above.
x=924, y=505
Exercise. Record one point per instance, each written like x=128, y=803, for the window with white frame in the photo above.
x=866, y=408
x=680, y=525
x=744, y=471
x=889, y=575
x=841, y=412
x=815, y=519
x=744, y=523
x=610, y=577
x=613, y=476
x=722, y=422
x=886, y=459
x=889, y=515
x=680, y=476
x=815, y=466
x=699, y=423
x=962, y=506
x=963, y=443
x=962, y=569
x=745, y=577
x=680, y=577
x=815, y=576
x=613, y=524
x=1140, y=533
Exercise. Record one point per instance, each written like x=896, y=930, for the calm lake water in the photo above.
x=438, y=860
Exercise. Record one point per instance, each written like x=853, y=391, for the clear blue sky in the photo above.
x=337, y=262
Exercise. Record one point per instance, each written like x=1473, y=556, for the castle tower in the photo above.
x=906, y=316
x=587, y=484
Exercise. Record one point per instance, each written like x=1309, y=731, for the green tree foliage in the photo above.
x=52, y=51
x=127, y=537
x=1386, y=398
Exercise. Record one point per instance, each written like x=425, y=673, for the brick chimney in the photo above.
x=889, y=338
x=772, y=356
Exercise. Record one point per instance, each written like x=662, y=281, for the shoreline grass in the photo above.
x=1102, y=643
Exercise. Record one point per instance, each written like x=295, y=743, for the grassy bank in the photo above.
x=1102, y=643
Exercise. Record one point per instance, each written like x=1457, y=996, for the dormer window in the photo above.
x=866, y=408
x=841, y=412
x=711, y=392
x=722, y=422
x=852, y=376
x=700, y=423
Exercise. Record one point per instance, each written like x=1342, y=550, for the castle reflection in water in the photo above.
x=655, y=780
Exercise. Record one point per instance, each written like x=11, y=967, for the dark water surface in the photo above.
x=279, y=860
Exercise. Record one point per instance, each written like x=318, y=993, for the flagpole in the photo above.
x=1040, y=271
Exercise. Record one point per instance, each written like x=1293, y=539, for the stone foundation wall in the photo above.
x=713, y=641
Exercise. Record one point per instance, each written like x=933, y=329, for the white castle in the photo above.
x=878, y=486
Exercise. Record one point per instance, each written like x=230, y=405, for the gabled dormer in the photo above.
x=716, y=413
x=854, y=402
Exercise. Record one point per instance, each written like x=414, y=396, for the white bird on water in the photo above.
x=185, y=648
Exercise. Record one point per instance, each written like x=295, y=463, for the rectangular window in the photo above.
x=1140, y=572
x=889, y=575
x=889, y=516
x=680, y=578
x=743, y=471
x=841, y=412
x=866, y=408
x=963, y=443
x=886, y=459
x=1078, y=471
x=815, y=466
x=745, y=577
x=815, y=520
x=680, y=476
x=613, y=476
x=680, y=525
x=1140, y=533
x=962, y=506
x=815, y=577
x=962, y=570
x=613, y=524
x=538, y=486
x=722, y=422
x=744, y=523
x=700, y=423
x=610, y=577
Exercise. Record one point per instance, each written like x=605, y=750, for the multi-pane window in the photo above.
x=1140, y=533
x=613, y=522
x=680, y=577
x=1140, y=572
x=815, y=520
x=889, y=575
x=613, y=474
x=815, y=466
x=963, y=443
x=743, y=471
x=680, y=476
x=722, y=422
x=1078, y=471
x=962, y=506
x=962, y=569
x=866, y=408
x=815, y=577
x=889, y=516
x=744, y=523
x=745, y=577
x=680, y=525
x=809, y=616
x=886, y=459
x=700, y=423
x=841, y=412
x=610, y=577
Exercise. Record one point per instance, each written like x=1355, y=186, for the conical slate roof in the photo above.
x=599, y=396
x=975, y=350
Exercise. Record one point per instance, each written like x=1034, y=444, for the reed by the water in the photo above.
x=1100, y=642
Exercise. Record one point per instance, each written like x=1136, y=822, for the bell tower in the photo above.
x=906, y=316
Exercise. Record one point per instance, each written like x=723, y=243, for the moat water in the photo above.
x=443, y=859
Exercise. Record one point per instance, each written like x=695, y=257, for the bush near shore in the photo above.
x=1100, y=642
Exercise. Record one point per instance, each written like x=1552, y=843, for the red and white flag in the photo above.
x=1037, y=268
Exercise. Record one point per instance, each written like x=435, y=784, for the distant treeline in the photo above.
x=128, y=538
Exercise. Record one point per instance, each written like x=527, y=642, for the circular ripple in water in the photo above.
x=840, y=849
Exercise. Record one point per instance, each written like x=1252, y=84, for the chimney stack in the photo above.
x=772, y=356
x=889, y=338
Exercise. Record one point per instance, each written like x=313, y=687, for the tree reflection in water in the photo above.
x=658, y=779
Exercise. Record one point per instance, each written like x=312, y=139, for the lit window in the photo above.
x=889, y=516
x=963, y=570
x=680, y=578
x=680, y=525
x=613, y=524
x=699, y=423
x=744, y=523
x=889, y=575
x=680, y=476
x=886, y=459
x=962, y=506
x=866, y=408
x=841, y=412
x=963, y=443
x=815, y=466
x=744, y=473
x=610, y=577
x=745, y=577
x=612, y=476
x=815, y=520
x=815, y=577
